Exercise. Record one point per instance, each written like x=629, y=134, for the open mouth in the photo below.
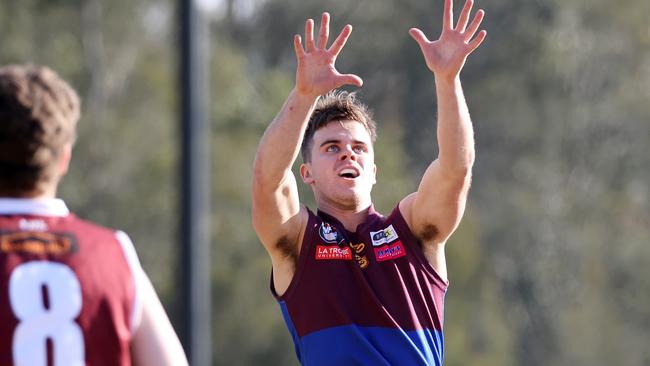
x=349, y=173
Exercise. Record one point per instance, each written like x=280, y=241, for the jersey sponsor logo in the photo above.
x=37, y=242
x=32, y=225
x=333, y=252
x=329, y=234
x=390, y=251
x=384, y=236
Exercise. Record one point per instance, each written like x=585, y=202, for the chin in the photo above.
x=344, y=197
x=352, y=200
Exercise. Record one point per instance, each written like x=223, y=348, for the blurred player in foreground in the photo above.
x=356, y=287
x=71, y=292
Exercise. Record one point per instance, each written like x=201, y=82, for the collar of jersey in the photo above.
x=372, y=217
x=29, y=206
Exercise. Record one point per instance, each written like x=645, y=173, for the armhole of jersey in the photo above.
x=136, y=271
x=397, y=218
x=305, y=251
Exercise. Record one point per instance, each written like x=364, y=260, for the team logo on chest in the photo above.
x=334, y=244
x=386, y=244
x=358, y=256
x=330, y=235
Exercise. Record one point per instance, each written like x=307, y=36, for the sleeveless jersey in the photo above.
x=368, y=297
x=68, y=292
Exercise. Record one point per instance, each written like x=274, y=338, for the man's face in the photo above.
x=342, y=168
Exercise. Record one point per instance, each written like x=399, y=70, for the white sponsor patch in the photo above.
x=382, y=237
x=32, y=225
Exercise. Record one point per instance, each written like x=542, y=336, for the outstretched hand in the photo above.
x=446, y=56
x=316, y=73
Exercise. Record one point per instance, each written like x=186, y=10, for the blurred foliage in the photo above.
x=549, y=266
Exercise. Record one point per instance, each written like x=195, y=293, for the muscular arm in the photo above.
x=275, y=194
x=278, y=217
x=435, y=210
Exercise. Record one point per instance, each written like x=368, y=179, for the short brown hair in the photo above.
x=336, y=106
x=38, y=115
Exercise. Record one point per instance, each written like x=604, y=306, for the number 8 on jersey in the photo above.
x=39, y=322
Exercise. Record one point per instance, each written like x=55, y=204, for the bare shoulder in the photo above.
x=282, y=241
x=425, y=231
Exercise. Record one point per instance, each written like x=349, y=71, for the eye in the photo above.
x=332, y=148
x=360, y=149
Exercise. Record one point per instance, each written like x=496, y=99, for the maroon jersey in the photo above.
x=367, y=297
x=68, y=291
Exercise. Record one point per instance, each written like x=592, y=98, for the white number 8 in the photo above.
x=37, y=323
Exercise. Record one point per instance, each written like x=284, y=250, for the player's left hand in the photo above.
x=446, y=56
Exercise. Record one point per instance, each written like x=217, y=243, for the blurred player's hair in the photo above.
x=38, y=115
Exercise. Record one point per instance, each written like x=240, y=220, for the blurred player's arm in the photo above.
x=278, y=217
x=435, y=210
x=155, y=342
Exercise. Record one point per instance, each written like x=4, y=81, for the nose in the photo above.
x=348, y=153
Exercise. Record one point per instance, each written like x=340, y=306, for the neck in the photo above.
x=49, y=192
x=349, y=217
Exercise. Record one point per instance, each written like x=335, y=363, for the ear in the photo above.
x=374, y=174
x=305, y=173
x=64, y=159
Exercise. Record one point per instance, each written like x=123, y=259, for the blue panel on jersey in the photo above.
x=292, y=329
x=355, y=345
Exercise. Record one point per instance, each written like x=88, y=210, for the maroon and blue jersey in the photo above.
x=368, y=297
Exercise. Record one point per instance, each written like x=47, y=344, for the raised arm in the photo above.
x=278, y=217
x=435, y=210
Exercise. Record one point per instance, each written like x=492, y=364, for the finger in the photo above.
x=419, y=37
x=447, y=15
x=324, y=32
x=309, y=35
x=477, y=41
x=348, y=79
x=476, y=22
x=464, y=16
x=297, y=45
x=340, y=41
